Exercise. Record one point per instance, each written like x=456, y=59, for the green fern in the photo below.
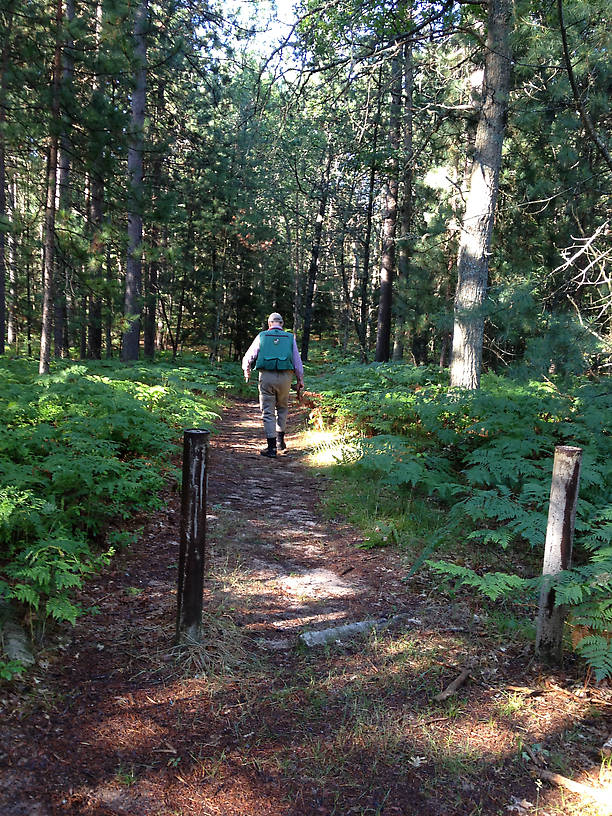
x=486, y=456
x=597, y=651
x=80, y=448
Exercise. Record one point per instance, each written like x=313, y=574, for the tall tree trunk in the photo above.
x=188, y=273
x=63, y=202
x=383, y=332
x=94, y=335
x=83, y=328
x=365, y=274
x=348, y=287
x=96, y=222
x=3, y=198
x=98, y=255
x=49, y=222
x=109, y=309
x=133, y=273
x=3, y=222
x=297, y=266
x=150, y=319
x=477, y=226
x=314, y=257
x=151, y=292
x=11, y=334
x=216, y=290
x=176, y=339
x=404, y=249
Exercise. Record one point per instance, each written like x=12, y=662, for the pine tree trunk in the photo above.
x=477, y=227
x=49, y=222
x=109, y=309
x=405, y=211
x=216, y=288
x=98, y=255
x=3, y=198
x=94, y=335
x=3, y=221
x=187, y=275
x=83, y=328
x=28, y=272
x=365, y=275
x=63, y=202
x=96, y=222
x=11, y=334
x=133, y=274
x=314, y=259
x=298, y=260
x=150, y=320
x=383, y=332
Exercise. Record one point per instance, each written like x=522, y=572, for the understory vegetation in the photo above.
x=465, y=476
x=85, y=447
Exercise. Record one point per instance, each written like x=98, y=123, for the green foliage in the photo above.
x=597, y=651
x=44, y=574
x=9, y=669
x=80, y=448
x=486, y=458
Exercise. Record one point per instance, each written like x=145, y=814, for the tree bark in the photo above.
x=4, y=220
x=63, y=203
x=133, y=273
x=109, y=309
x=477, y=226
x=294, y=256
x=365, y=274
x=151, y=290
x=11, y=334
x=405, y=213
x=29, y=310
x=150, y=322
x=96, y=221
x=383, y=332
x=50, y=212
x=314, y=258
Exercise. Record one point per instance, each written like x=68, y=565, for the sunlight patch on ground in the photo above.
x=318, y=583
x=328, y=447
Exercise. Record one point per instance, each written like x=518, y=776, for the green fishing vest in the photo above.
x=275, y=350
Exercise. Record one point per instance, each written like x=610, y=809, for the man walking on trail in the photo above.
x=276, y=357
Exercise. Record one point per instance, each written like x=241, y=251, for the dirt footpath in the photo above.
x=115, y=720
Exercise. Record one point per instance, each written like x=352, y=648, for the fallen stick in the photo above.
x=602, y=797
x=453, y=687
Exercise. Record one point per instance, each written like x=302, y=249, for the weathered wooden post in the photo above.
x=193, y=536
x=558, y=549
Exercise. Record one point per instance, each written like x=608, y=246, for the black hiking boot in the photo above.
x=270, y=451
x=280, y=440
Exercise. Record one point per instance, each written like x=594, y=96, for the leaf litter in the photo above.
x=250, y=723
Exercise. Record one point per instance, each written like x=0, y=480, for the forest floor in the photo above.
x=113, y=720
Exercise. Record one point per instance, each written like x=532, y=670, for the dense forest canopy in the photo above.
x=389, y=175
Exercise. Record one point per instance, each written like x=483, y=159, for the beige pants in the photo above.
x=274, y=389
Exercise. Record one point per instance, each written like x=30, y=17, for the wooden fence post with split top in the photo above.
x=193, y=536
x=558, y=549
